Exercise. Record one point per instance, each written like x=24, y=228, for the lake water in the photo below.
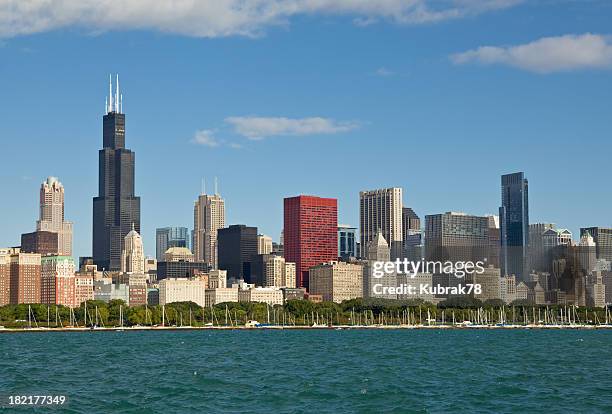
x=320, y=371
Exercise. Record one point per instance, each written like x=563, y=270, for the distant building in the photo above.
x=420, y=279
x=603, y=241
x=264, y=244
x=153, y=296
x=587, y=253
x=116, y=209
x=237, y=246
x=58, y=284
x=378, y=251
x=490, y=283
x=25, y=280
x=293, y=294
x=5, y=277
x=336, y=281
x=540, y=256
x=277, y=272
x=347, y=241
x=137, y=286
x=208, y=218
x=271, y=296
x=52, y=215
x=514, y=225
x=456, y=237
x=167, y=237
x=41, y=242
x=381, y=210
x=310, y=233
x=214, y=296
x=180, y=269
x=178, y=254
x=507, y=288
x=182, y=290
x=132, y=256
x=83, y=288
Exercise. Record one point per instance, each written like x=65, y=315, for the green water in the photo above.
x=326, y=371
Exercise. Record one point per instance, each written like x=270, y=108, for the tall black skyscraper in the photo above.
x=514, y=225
x=237, y=248
x=116, y=208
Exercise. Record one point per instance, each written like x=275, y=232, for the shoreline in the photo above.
x=335, y=327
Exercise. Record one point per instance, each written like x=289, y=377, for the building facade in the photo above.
x=51, y=217
x=456, y=237
x=603, y=241
x=168, y=237
x=237, y=248
x=310, y=233
x=25, y=281
x=336, y=281
x=208, y=218
x=116, y=209
x=514, y=225
x=347, y=241
x=132, y=256
x=41, y=242
x=381, y=210
x=58, y=281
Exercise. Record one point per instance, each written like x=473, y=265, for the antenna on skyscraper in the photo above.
x=117, y=95
x=110, y=93
x=121, y=103
x=216, y=187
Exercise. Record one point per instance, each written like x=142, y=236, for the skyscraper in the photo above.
x=456, y=237
x=237, y=248
x=347, y=241
x=602, y=237
x=168, y=237
x=132, y=256
x=381, y=210
x=310, y=233
x=208, y=218
x=514, y=225
x=116, y=209
x=52, y=215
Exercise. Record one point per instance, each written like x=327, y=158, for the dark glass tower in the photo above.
x=116, y=208
x=514, y=225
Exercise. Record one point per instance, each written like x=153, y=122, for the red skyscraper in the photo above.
x=310, y=234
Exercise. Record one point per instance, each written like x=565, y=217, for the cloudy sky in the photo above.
x=278, y=98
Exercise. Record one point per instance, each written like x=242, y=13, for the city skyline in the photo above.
x=225, y=111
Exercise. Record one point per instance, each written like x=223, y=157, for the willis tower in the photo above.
x=116, y=208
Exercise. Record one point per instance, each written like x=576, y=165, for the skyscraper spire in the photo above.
x=216, y=186
x=117, y=95
x=110, y=93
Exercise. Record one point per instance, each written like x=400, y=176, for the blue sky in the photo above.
x=317, y=97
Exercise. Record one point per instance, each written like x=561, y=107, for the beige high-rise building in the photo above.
x=489, y=281
x=52, y=214
x=132, y=256
x=278, y=272
x=336, y=281
x=270, y=295
x=208, y=218
x=381, y=211
x=264, y=244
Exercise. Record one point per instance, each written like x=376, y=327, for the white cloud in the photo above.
x=384, y=72
x=205, y=137
x=218, y=18
x=549, y=54
x=255, y=128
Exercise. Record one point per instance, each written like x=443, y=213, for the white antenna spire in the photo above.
x=117, y=95
x=105, y=105
x=110, y=94
x=216, y=186
x=121, y=103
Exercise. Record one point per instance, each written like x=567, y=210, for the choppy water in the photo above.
x=313, y=371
